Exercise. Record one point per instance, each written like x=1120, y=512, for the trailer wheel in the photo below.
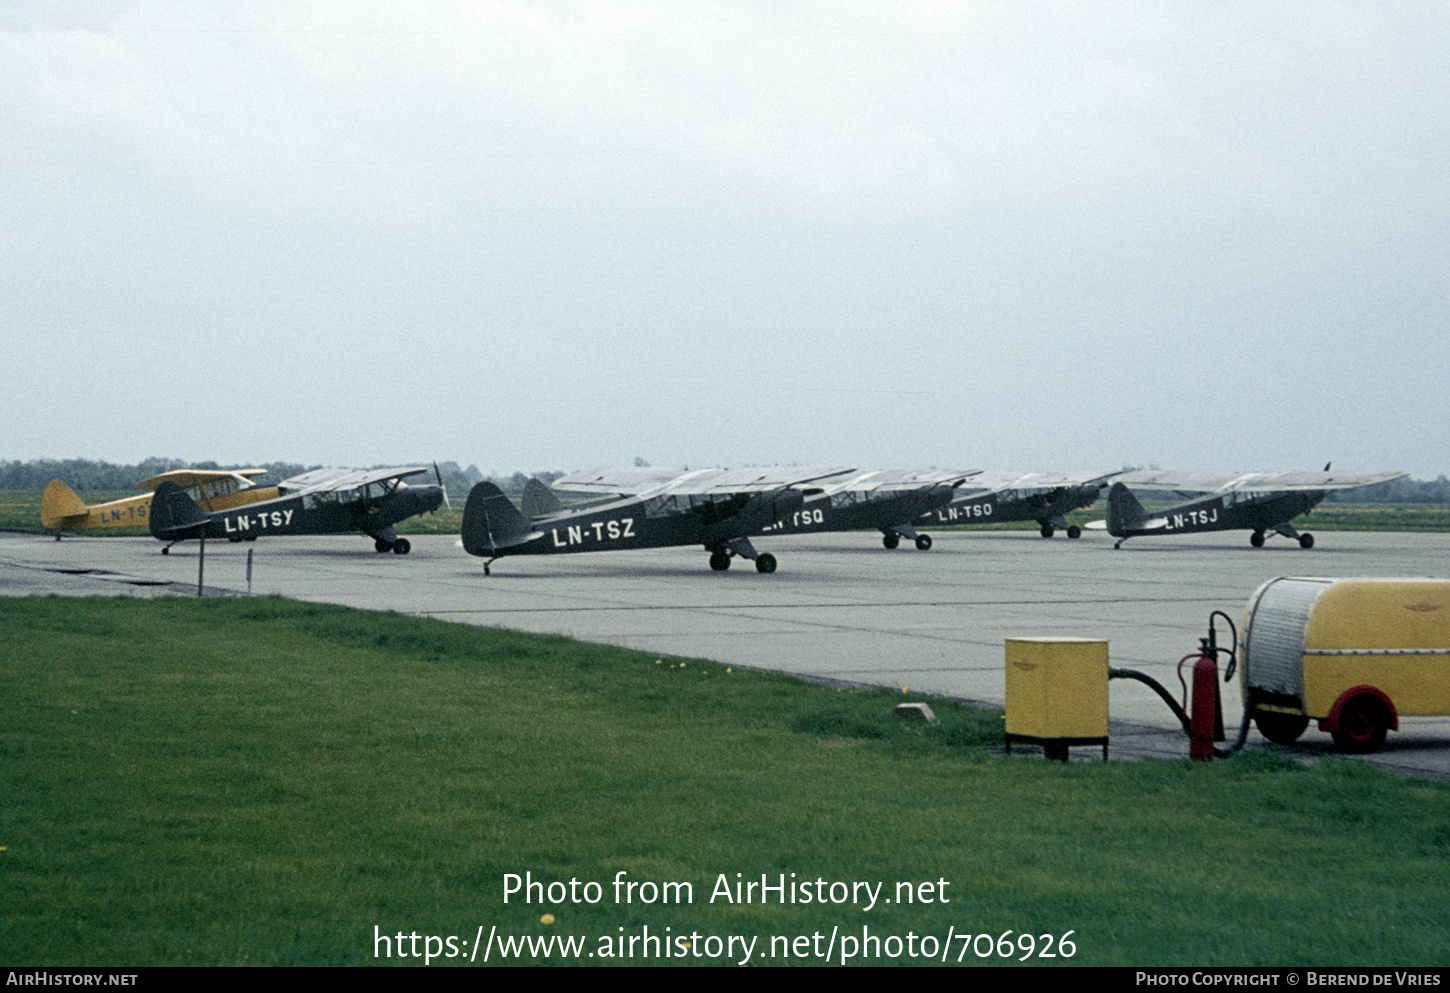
x=1363, y=724
x=1281, y=729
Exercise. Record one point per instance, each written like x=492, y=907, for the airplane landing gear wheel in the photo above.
x=1306, y=540
x=401, y=547
x=379, y=545
x=923, y=542
x=1257, y=539
x=1048, y=530
x=166, y=550
x=1281, y=729
x=1073, y=531
x=719, y=561
x=891, y=540
x=765, y=562
x=1363, y=724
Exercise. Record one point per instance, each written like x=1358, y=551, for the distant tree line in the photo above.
x=459, y=481
x=1402, y=490
x=86, y=475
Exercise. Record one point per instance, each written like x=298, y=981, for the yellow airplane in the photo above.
x=61, y=510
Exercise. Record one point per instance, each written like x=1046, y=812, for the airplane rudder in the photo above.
x=487, y=508
x=172, y=510
x=58, y=503
x=1124, y=510
x=538, y=500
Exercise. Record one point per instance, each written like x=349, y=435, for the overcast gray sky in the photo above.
x=554, y=235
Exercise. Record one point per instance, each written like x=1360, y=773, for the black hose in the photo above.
x=1149, y=681
x=1222, y=753
x=1233, y=659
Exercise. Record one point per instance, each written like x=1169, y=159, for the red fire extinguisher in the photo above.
x=1206, y=721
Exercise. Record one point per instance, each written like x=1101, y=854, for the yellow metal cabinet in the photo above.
x=1057, y=693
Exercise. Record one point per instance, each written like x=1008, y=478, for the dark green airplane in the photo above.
x=1258, y=502
x=718, y=509
x=888, y=501
x=324, y=501
x=1046, y=498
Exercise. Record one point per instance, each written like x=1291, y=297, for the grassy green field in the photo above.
x=257, y=781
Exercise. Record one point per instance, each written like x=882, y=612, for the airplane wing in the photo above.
x=343, y=479
x=900, y=479
x=649, y=481
x=704, y=482
x=623, y=482
x=992, y=482
x=1239, y=482
x=195, y=477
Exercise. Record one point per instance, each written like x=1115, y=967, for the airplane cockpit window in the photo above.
x=712, y=508
x=846, y=498
x=329, y=498
x=664, y=506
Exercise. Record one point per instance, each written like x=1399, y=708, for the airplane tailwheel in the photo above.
x=891, y=540
x=1257, y=539
x=765, y=562
x=923, y=542
x=719, y=561
x=401, y=547
x=1048, y=530
x=1306, y=540
x=380, y=545
x=166, y=550
x=1073, y=531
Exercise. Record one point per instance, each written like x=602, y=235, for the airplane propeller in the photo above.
x=446, y=501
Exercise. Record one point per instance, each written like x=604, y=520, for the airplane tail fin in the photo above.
x=491, y=523
x=174, y=515
x=538, y=500
x=1124, y=511
x=60, y=508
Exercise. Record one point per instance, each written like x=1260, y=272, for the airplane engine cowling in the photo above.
x=936, y=498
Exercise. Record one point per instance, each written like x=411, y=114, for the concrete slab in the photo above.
x=840, y=607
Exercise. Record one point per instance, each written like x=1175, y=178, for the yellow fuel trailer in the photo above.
x=1354, y=654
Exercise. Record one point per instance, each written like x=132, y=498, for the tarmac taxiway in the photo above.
x=839, y=608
